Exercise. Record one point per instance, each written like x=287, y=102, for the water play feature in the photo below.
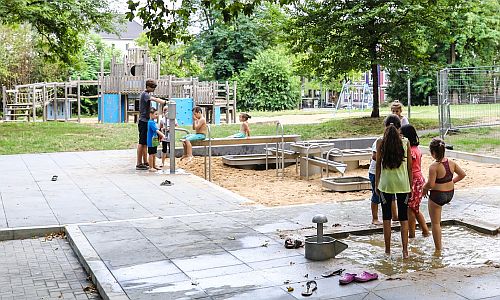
x=319, y=246
x=463, y=247
x=346, y=184
x=255, y=161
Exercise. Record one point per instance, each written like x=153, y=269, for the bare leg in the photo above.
x=375, y=220
x=189, y=149
x=152, y=163
x=163, y=156
x=435, y=213
x=422, y=224
x=404, y=238
x=387, y=236
x=394, y=211
x=139, y=154
x=412, y=222
x=145, y=153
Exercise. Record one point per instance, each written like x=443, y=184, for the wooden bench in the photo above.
x=271, y=139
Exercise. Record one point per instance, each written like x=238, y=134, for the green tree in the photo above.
x=269, y=83
x=472, y=38
x=168, y=21
x=225, y=48
x=338, y=37
x=59, y=23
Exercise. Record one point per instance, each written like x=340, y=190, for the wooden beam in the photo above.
x=247, y=141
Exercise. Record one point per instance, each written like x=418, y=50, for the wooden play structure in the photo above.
x=118, y=94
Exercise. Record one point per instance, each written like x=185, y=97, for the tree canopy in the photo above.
x=59, y=23
x=340, y=36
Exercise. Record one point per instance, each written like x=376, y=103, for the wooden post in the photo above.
x=65, y=107
x=54, y=107
x=234, y=101
x=227, y=102
x=78, y=98
x=44, y=101
x=103, y=88
x=34, y=102
x=4, y=102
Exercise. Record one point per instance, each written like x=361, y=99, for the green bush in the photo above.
x=268, y=83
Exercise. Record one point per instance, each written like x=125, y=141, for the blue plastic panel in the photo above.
x=184, y=113
x=111, y=106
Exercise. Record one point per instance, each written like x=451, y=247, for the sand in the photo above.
x=263, y=187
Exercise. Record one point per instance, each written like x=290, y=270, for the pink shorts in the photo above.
x=416, y=193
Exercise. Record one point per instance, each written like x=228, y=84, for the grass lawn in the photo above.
x=66, y=136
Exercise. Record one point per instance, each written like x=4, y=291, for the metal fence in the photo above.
x=469, y=102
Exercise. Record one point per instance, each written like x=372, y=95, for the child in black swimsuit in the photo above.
x=441, y=186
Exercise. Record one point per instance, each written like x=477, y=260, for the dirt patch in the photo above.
x=265, y=188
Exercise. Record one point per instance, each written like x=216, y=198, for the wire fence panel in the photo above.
x=469, y=106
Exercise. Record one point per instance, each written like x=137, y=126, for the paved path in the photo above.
x=197, y=240
x=41, y=269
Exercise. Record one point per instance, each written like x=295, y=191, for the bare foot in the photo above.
x=184, y=156
x=376, y=222
x=411, y=236
x=437, y=253
x=189, y=159
x=426, y=234
x=405, y=254
x=152, y=170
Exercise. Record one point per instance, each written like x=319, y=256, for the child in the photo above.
x=414, y=213
x=165, y=142
x=200, y=127
x=375, y=199
x=393, y=178
x=153, y=133
x=244, y=128
x=441, y=186
x=397, y=109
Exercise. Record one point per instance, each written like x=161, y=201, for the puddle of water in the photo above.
x=463, y=247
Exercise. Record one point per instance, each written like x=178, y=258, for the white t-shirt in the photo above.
x=165, y=128
x=404, y=121
x=373, y=163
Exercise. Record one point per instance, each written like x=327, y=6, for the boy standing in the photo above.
x=200, y=127
x=144, y=107
x=152, y=139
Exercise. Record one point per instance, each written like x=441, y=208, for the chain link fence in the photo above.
x=469, y=108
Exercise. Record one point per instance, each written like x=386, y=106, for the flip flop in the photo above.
x=166, y=183
x=54, y=178
x=311, y=286
x=347, y=278
x=365, y=276
x=293, y=244
x=333, y=273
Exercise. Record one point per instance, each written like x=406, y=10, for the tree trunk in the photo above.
x=375, y=110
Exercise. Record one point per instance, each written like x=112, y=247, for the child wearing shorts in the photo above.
x=152, y=139
x=200, y=127
x=244, y=128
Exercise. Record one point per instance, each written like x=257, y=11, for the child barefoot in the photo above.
x=244, y=129
x=200, y=127
x=375, y=199
x=397, y=109
x=441, y=185
x=165, y=142
x=393, y=179
x=414, y=213
x=153, y=133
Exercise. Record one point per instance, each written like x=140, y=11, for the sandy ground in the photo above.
x=265, y=188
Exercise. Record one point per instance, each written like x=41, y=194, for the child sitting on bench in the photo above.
x=244, y=129
x=200, y=127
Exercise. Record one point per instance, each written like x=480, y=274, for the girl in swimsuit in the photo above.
x=414, y=213
x=441, y=186
x=244, y=128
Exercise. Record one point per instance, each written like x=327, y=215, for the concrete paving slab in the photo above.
x=421, y=290
x=272, y=293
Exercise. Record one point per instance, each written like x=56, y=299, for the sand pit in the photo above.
x=265, y=188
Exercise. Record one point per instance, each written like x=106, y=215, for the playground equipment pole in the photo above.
x=409, y=95
x=171, y=125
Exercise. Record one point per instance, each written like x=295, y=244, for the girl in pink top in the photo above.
x=414, y=213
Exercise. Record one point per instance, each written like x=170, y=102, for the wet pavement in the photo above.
x=195, y=240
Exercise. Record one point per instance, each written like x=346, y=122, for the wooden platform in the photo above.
x=247, y=141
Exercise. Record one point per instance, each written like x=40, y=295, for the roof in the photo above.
x=128, y=31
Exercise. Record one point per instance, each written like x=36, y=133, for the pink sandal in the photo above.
x=365, y=276
x=347, y=278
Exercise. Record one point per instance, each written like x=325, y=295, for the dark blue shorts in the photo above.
x=375, y=198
